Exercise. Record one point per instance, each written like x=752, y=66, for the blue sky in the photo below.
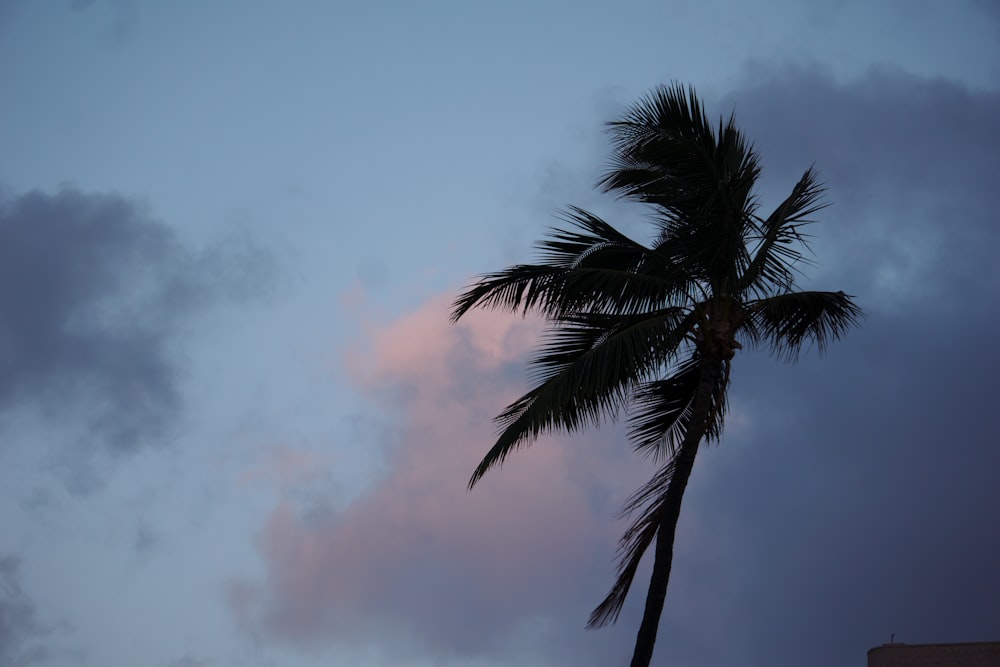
x=236, y=424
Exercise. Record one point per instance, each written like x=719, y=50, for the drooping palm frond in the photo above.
x=676, y=395
x=598, y=344
x=631, y=548
x=584, y=373
x=787, y=322
x=590, y=266
x=664, y=410
x=663, y=406
x=779, y=240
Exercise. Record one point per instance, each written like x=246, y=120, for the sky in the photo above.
x=236, y=424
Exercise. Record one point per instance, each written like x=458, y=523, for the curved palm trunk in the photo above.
x=670, y=510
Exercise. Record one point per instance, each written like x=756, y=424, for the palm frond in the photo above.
x=666, y=153
x=780, y=242
x=633, y=546
x=665, y=419
x=518, y=288
x=739, y=163
x=592, y=237
x=596, y=343
x=609, y=272
x=664, y=410
x=590, y=266
x=584, y=372
x=713, y=251
x=663, y=150
x=787, y=322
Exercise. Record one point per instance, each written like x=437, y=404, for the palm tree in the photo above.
x=654, y=328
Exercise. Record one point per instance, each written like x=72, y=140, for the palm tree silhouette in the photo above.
x=654, y=328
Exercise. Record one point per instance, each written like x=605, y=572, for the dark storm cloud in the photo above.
x=908, y=163
x=91, y=296
x=859, y=497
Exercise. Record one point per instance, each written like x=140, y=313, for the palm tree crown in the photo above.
x=654, y=328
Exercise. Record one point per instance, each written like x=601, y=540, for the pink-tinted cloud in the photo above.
x=453, y=570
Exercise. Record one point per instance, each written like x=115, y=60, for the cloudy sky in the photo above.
x=236, y=424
